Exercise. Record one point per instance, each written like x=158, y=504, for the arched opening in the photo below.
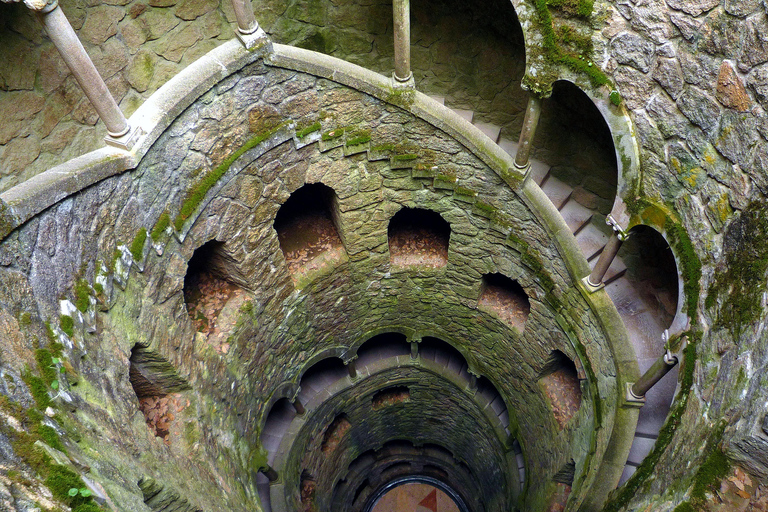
x=307, y=229
x=576, y=143
x=279, y=418
x=321, y=376
x=445, y=355
x=418, y=237
x=209, y=285
x=506, y=298
x=390, y=396
x=560, y=382
x=156, y=384
x=494, y=402
x=335, y=433
x=648, y=298
x=308, y=489
x=382, y=346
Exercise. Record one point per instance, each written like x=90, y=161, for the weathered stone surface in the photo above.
x=693, y=7
x=700, y=69
x=754, y=42
x=101, y=23
x=666, y=115
x=736, y=136
x=718, y=31
x=139, y=73
x=17, y=73
x=156, y=23
x=689, y=27
x=757, y=80
x=741, y=7
x=730, y=89
x=700, y=108
x=633, y=50
x=173, y=48
x=191, y=9
x=649, y=18
x=19, y=153
x=648, y=132
x=669, y=75
x=634, y=86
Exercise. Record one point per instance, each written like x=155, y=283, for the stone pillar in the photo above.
x=611, y=249
x=531, y=121
x=351, y=368
x=246, y=21
x=655, y=373
x=414, y=350
x=269, y=472
x=64, y=37
x=298, y=406
x=472, y=381
x=401, y=12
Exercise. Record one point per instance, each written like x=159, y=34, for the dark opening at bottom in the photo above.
x=415, y=493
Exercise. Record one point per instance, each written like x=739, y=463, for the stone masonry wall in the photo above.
x=692, y=74
x=284, y=325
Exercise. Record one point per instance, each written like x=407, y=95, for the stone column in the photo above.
x=401, y=11
x=414, y=349
x=298, y=406
x=70, y=48
x=351, y=368
x=655, y=373
x=246, y=21
x=269, y=472
x=611, y=249
x=530, y=122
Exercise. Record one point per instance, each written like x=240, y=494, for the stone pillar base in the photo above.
x=630, y=399
x=399, y=83
x=591, y=288
x=126, y=141
x=253, y=39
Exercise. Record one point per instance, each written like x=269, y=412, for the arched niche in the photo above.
x=575, y=141
x=506, y=298
x=559, y=379
x=319, y=377
x=444, y=354
x=307, y=229
x=382, y=346
x=211, y=281
x=418, y=238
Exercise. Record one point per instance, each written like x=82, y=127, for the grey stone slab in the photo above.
x=490, y=130
x=467, y=115
x=557, y=191
x=591, y=241
x=641, y=447
x=575, y=215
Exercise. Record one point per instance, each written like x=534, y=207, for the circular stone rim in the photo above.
x=397, y=482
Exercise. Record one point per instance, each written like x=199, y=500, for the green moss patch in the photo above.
x=314, y=127
x=625, y=493
x=162, y=224
x=742, y=280
x=562, y=44
x=198, y=192
x=710, y=473
x=67, y=324
x=358, y=138
x=690, y=263
x=137, y=246
x=82, y=295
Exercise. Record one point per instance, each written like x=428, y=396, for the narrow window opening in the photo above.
x=418, y=237
x=209, y=286
x=307, y=229
x=308, y=490
x=335, y=433
x=156, y=384
x=506, y=298
x=560, y=382
x=391, y=396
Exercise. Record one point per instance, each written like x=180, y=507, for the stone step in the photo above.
x=490, y=130
x=509, y=146
x=439, y=99
x=575, y=215
x=557, y=191
x=591, y=240
x=467, y=115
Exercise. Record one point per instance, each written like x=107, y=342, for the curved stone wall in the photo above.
x=100, y=236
